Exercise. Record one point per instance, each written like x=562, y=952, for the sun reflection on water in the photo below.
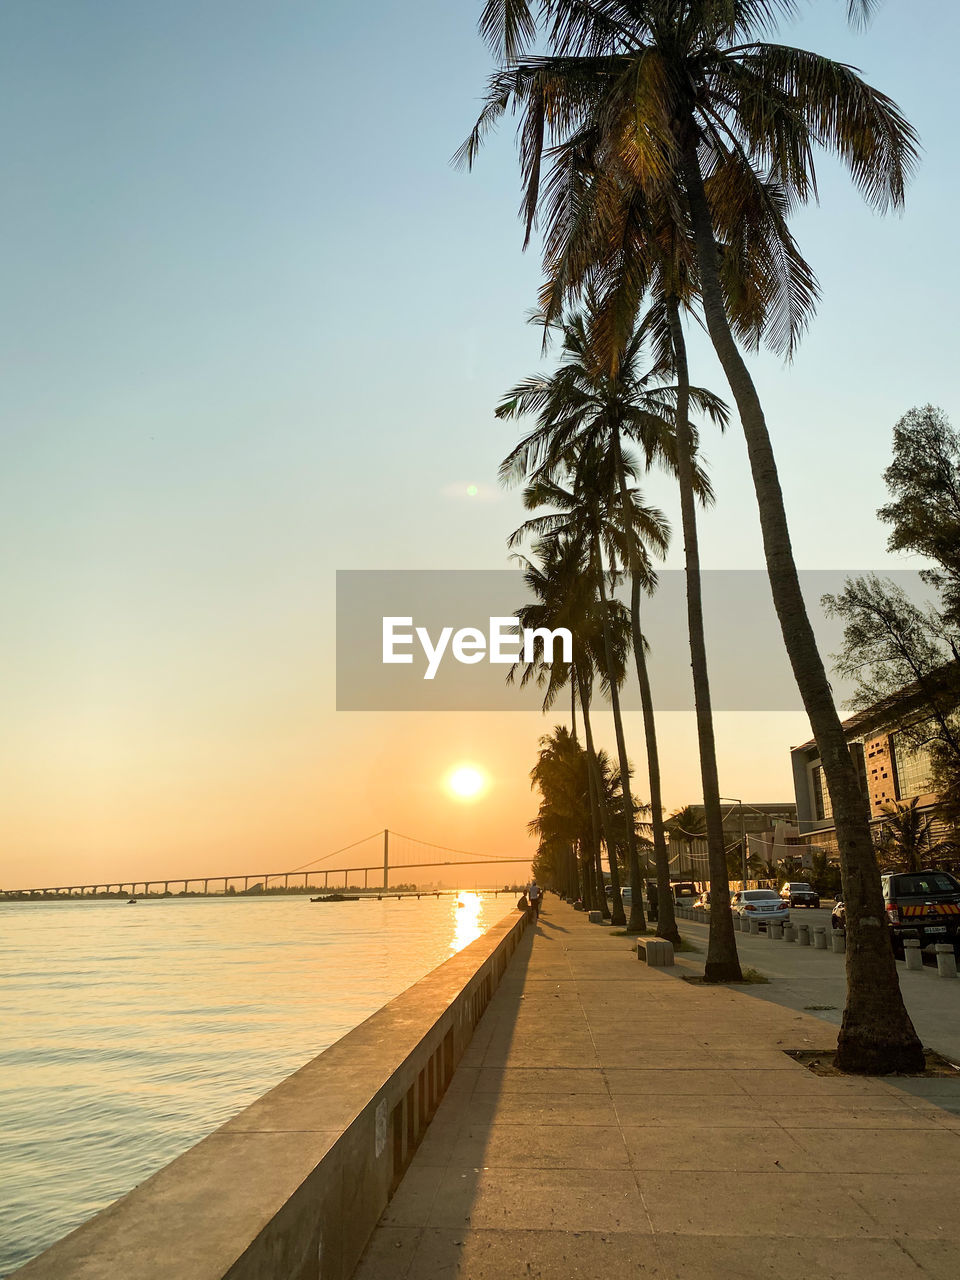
x=468, y=919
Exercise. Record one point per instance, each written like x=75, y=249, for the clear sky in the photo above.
x=253, y=328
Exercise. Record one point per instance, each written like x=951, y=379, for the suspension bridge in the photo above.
x=376, y=858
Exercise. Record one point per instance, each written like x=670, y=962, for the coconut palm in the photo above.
x=685, y=103
x=584, y=515
x=585, y=404
x=563, y=822
x=564, y=597
x=596, y=395
x=907, y=841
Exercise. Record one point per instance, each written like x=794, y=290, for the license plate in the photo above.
x=936, y=928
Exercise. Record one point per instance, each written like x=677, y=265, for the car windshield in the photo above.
x=759, y=895
x=803, y=888
x=917, y=885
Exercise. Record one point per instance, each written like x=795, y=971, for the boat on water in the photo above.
x=337, y=897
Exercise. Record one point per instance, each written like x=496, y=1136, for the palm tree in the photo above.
x=596, y=395
x=563, y=823
x=583, y=517
x=684, y=103
x=907, y=842
x=686, y=825
x=564, y=597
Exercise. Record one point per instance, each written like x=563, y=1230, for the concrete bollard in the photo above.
x=789, y=933
x=803, y=935
x=946, y=960
x=754, y=925
x=839, y=941
x=655, y=951
x=820, y=939
x=736, y=923
x=595, y=917
x=912, y=954
x=775, y=931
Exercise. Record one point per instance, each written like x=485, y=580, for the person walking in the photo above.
x=534, y=897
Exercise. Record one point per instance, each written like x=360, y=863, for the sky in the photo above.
x=253, y=325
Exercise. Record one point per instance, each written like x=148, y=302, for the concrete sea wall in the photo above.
x=291, y=1187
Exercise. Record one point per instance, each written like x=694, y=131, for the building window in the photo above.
x=912, y=768
x=822, y=805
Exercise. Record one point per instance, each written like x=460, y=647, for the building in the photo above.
x=891, y=769
x=764, y=825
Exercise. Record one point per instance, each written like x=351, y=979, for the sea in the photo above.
x=129, y=1032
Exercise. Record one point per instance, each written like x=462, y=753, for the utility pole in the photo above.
x=743, y=838
x=386, y=858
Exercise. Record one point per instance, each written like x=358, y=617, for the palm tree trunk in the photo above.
x=723, y=963
x=877, y=1034
x=666, y=918
x=636, y=923
x=573, y=707
x=617, y=915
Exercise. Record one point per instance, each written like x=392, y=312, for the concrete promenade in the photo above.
x=613, y=1120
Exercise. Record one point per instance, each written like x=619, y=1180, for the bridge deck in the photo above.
x=610, y=1119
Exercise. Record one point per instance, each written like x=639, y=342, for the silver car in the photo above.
x=762, y=905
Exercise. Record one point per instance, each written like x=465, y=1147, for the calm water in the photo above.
x=128, y=1033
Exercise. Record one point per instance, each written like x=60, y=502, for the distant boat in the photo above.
x=337, y=897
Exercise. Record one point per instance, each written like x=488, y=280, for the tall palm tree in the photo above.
x=683, y=101
x=596, y=395
x=564, y=597
x=582, y=516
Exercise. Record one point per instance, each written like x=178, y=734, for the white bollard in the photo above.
x=789, y=933
x=946, y=960
x=775, y=930
x=754, y=925
x=595, y=917
x=912, y=953
x=839, y=942
x=736, y=923
x=803, y=935
x=820, y=939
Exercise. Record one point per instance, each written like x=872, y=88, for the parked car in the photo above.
x=920, y=904
x=684, y=889
x=798, y=894
x=762, y=905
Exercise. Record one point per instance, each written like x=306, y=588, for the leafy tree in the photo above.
x=924, y=484
x=686, y=103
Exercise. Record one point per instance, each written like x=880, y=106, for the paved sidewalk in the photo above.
x=612, y=1120
x=802, y=976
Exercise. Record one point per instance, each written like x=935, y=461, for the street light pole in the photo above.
x=743, y=838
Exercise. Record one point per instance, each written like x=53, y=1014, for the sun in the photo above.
x=467, y=782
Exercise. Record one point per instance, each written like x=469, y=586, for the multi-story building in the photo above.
x=891, y=769
x=758, y=822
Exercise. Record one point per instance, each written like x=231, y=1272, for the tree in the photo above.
x=594, y=397
x=563, y=597
x=582, y=517
x=685, y=103
x=924, y=484
x=907, y=841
